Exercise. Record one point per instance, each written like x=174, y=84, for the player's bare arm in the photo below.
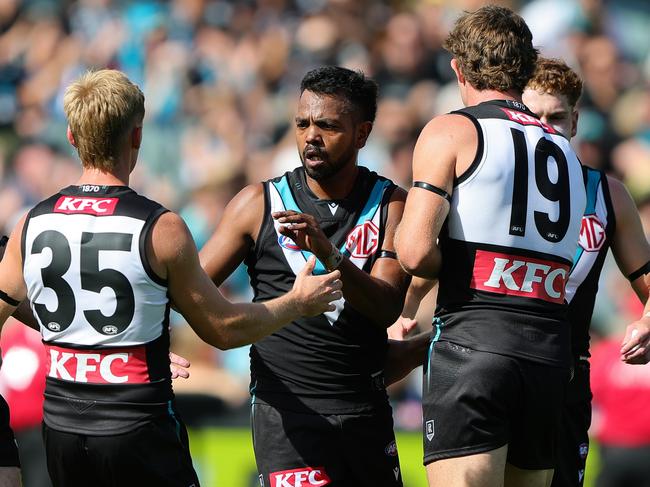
x=445, y=149
x=235, y=235
x=215, y=319
x=12, y=283
x=632, y=253
x=378, y=295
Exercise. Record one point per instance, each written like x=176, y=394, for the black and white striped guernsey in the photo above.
x=102, y=311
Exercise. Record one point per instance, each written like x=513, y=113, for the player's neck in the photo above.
x=336, y=187
x=474, y=97
x=103, y=178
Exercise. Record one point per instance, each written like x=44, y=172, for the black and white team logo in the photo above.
x=429, y=429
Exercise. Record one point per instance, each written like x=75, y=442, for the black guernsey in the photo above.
x=331, y=363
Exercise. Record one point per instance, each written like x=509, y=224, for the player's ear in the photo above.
x=459, y=73
x=574, y=122
x=136, y=137
x=70, y=137
x=362, y=133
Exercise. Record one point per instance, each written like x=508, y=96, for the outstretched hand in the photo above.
x=636, y=344
x=315, y=294
x=305, y=231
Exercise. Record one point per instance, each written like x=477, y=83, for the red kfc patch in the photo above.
x=85, y=204
x=519, y=276
x=300, y=477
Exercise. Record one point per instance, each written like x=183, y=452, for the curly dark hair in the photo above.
x=554, y=76
x=359, y=91
x=494, y=49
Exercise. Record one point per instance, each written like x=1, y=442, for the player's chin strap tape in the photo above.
x=641, y=271
x=433, y=189
x=8, y=299
x=389, y=254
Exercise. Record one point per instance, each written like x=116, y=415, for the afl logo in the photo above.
x=53, y=326
x=287, y=243
x=592, y=233
x=363, y=240
x=109, y=330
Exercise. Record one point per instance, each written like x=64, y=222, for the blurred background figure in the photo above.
x=22, y=382
x=621, y=422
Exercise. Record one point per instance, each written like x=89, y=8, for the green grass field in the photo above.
x=223, y=457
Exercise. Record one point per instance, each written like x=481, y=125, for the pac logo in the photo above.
x=391, y=449
x=287, y=243
x=583, y=450
x=519, y=276
x=85, y=204
x=429, y=429
x=592, y=233
x=300, y=477
x=363, y=240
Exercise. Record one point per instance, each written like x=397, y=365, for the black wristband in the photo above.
x=8, y=299
x=433, y=189
x=641, y=271
x=387, y=253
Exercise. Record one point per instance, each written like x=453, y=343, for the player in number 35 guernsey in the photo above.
x=101, y=266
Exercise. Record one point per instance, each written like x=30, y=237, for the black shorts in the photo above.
x=475, y=402
x=8, y=448
x=156, y=453
x=339, y=450
x=573, y=440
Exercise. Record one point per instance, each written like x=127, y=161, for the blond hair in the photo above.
x=555, y=77
x=494, y=49
x=101, y=107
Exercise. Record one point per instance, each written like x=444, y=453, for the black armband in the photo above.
x=641, y=271
x=8, y=299
x=387, y=254
x=433, y=189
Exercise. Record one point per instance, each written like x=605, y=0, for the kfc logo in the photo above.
x=592, y=233
x=85, y=204
x=363, y=240
x=112, y=366
x=525, y=119
x=300, y=477
x=519, y=276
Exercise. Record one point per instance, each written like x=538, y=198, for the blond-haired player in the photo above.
x=101, y=265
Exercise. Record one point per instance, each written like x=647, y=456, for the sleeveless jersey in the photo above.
x=102, y=311
x=510, y=237
x=598, y=227
x=332, y=362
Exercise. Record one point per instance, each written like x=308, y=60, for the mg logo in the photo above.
x=592, y=233
x=363, y=240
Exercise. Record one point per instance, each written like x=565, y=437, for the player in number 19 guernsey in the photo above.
x=511, y=237
x=84, y=243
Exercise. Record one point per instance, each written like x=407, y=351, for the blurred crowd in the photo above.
x=221, y=82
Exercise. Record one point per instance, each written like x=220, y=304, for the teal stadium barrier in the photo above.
x=223, y=457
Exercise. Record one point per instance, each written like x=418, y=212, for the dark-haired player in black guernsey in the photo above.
x=611, y=221
x=320, y=411
x=100, y=264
